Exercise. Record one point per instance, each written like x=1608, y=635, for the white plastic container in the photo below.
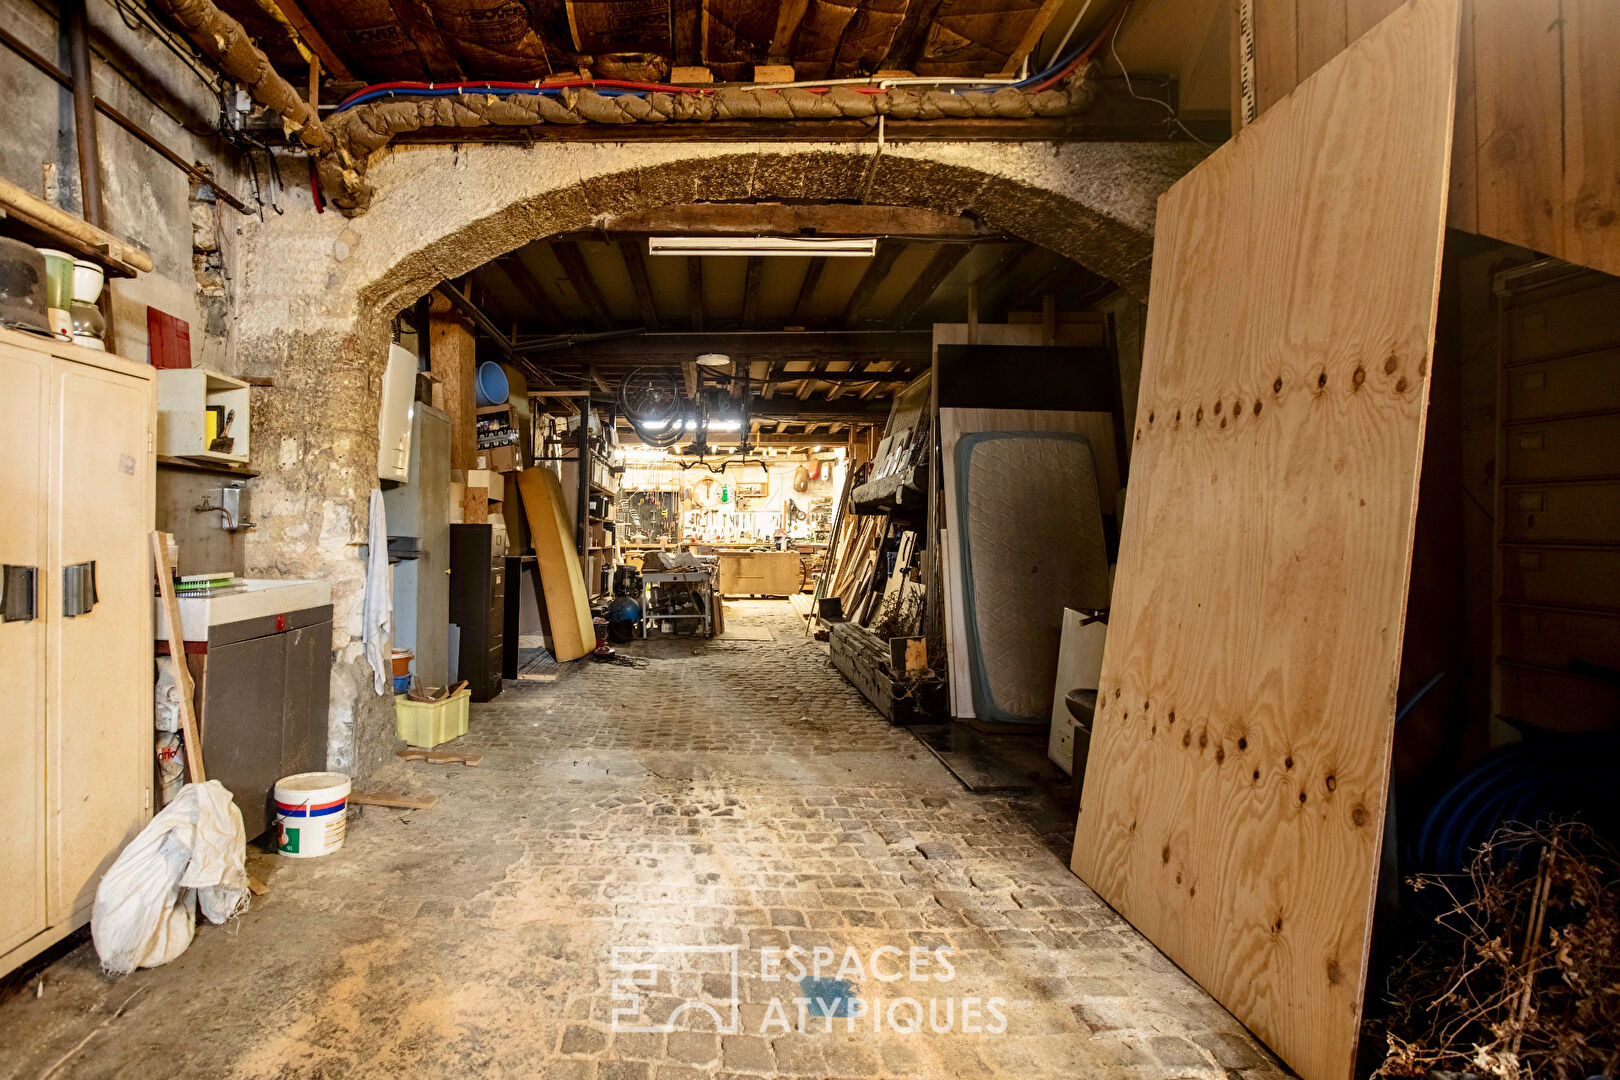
x=311, y=814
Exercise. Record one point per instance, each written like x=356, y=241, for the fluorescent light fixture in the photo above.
x=846, y=247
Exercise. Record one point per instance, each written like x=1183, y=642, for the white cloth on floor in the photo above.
x=379, y=603
x=191, y=853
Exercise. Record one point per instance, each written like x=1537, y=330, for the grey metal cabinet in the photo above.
x=265, y=697
x=420, y=509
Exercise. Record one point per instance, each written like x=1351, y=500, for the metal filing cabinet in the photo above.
x=478, y=607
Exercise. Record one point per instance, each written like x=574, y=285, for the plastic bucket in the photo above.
x=311, y=814
x=490, y=386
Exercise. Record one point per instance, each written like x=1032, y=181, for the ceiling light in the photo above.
x=846, y=247
x=714, y=359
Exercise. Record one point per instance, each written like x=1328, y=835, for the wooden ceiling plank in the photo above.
x=1032, y=36
x=876, y=271
x=579, y=275
x=927, y=284
x=635, y=263
x=751, y=280
x=694, y=293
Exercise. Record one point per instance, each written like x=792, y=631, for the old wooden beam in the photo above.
x=928, y=282
x=1032, y=36
x=812, y=278
x=635, y=262
x=312, y=37
x=876, y=271
x=579, y=275
x=528, y=286
x=783, y=219
x=694, y=292
x=751, y=280
x=439, y=62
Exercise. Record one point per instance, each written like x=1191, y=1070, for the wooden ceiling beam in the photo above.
x=635, y=263
x=312, y=37
x=437, y=59
x=694, y=292
x=791, y=219
x=579, y=275
x=751, y=280
x=528, y=286
x=927, y=284
x=807, y=288
x=876, y=271
x=1032, y=36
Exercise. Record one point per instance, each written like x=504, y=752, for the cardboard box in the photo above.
x=489, y=480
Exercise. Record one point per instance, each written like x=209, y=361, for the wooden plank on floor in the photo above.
x=437, y=757
x=393, y=799
x=1234, y=796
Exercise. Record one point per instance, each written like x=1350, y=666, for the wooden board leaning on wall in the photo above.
x=1235, y=791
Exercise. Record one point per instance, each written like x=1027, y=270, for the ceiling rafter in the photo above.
x=751, y=282
x=584, y=283
x=635, y=263
x=877, y=270
x=694, y=293
x=529, y=288
x=927, y=284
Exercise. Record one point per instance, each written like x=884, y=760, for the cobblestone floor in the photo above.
x=713, y=823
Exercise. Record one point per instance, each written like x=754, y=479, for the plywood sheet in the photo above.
x=568, y=612
x=1235, y=791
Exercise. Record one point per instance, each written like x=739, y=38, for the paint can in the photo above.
x=311, y=814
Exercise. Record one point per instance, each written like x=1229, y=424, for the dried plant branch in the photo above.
x=1520, y=979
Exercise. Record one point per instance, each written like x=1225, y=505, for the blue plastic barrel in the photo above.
x=490, y=386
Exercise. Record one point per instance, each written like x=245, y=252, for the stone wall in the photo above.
x=149, y=201
x=317, y=292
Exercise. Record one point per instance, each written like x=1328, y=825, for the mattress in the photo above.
x=1030, y=544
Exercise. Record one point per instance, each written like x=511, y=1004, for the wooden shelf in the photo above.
x=37, y=222
x=220, y=467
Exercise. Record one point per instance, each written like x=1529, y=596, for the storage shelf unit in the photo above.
x=184, y=397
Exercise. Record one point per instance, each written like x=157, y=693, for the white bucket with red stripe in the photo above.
x=311, y=814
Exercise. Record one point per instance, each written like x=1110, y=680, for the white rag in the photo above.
x=379, y=604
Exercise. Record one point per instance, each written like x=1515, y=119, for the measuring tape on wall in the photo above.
x=1247, y=106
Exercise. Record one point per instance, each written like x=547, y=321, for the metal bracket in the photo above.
x=19, y=593
x=79, y=589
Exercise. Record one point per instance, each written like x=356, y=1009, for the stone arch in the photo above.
x=319, y=292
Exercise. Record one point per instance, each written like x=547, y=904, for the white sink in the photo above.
x=248, y=598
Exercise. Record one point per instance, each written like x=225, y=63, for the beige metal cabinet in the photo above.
x=77, y=477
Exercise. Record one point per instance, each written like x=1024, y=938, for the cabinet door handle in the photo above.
x=19, y=593
x=79, y=589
